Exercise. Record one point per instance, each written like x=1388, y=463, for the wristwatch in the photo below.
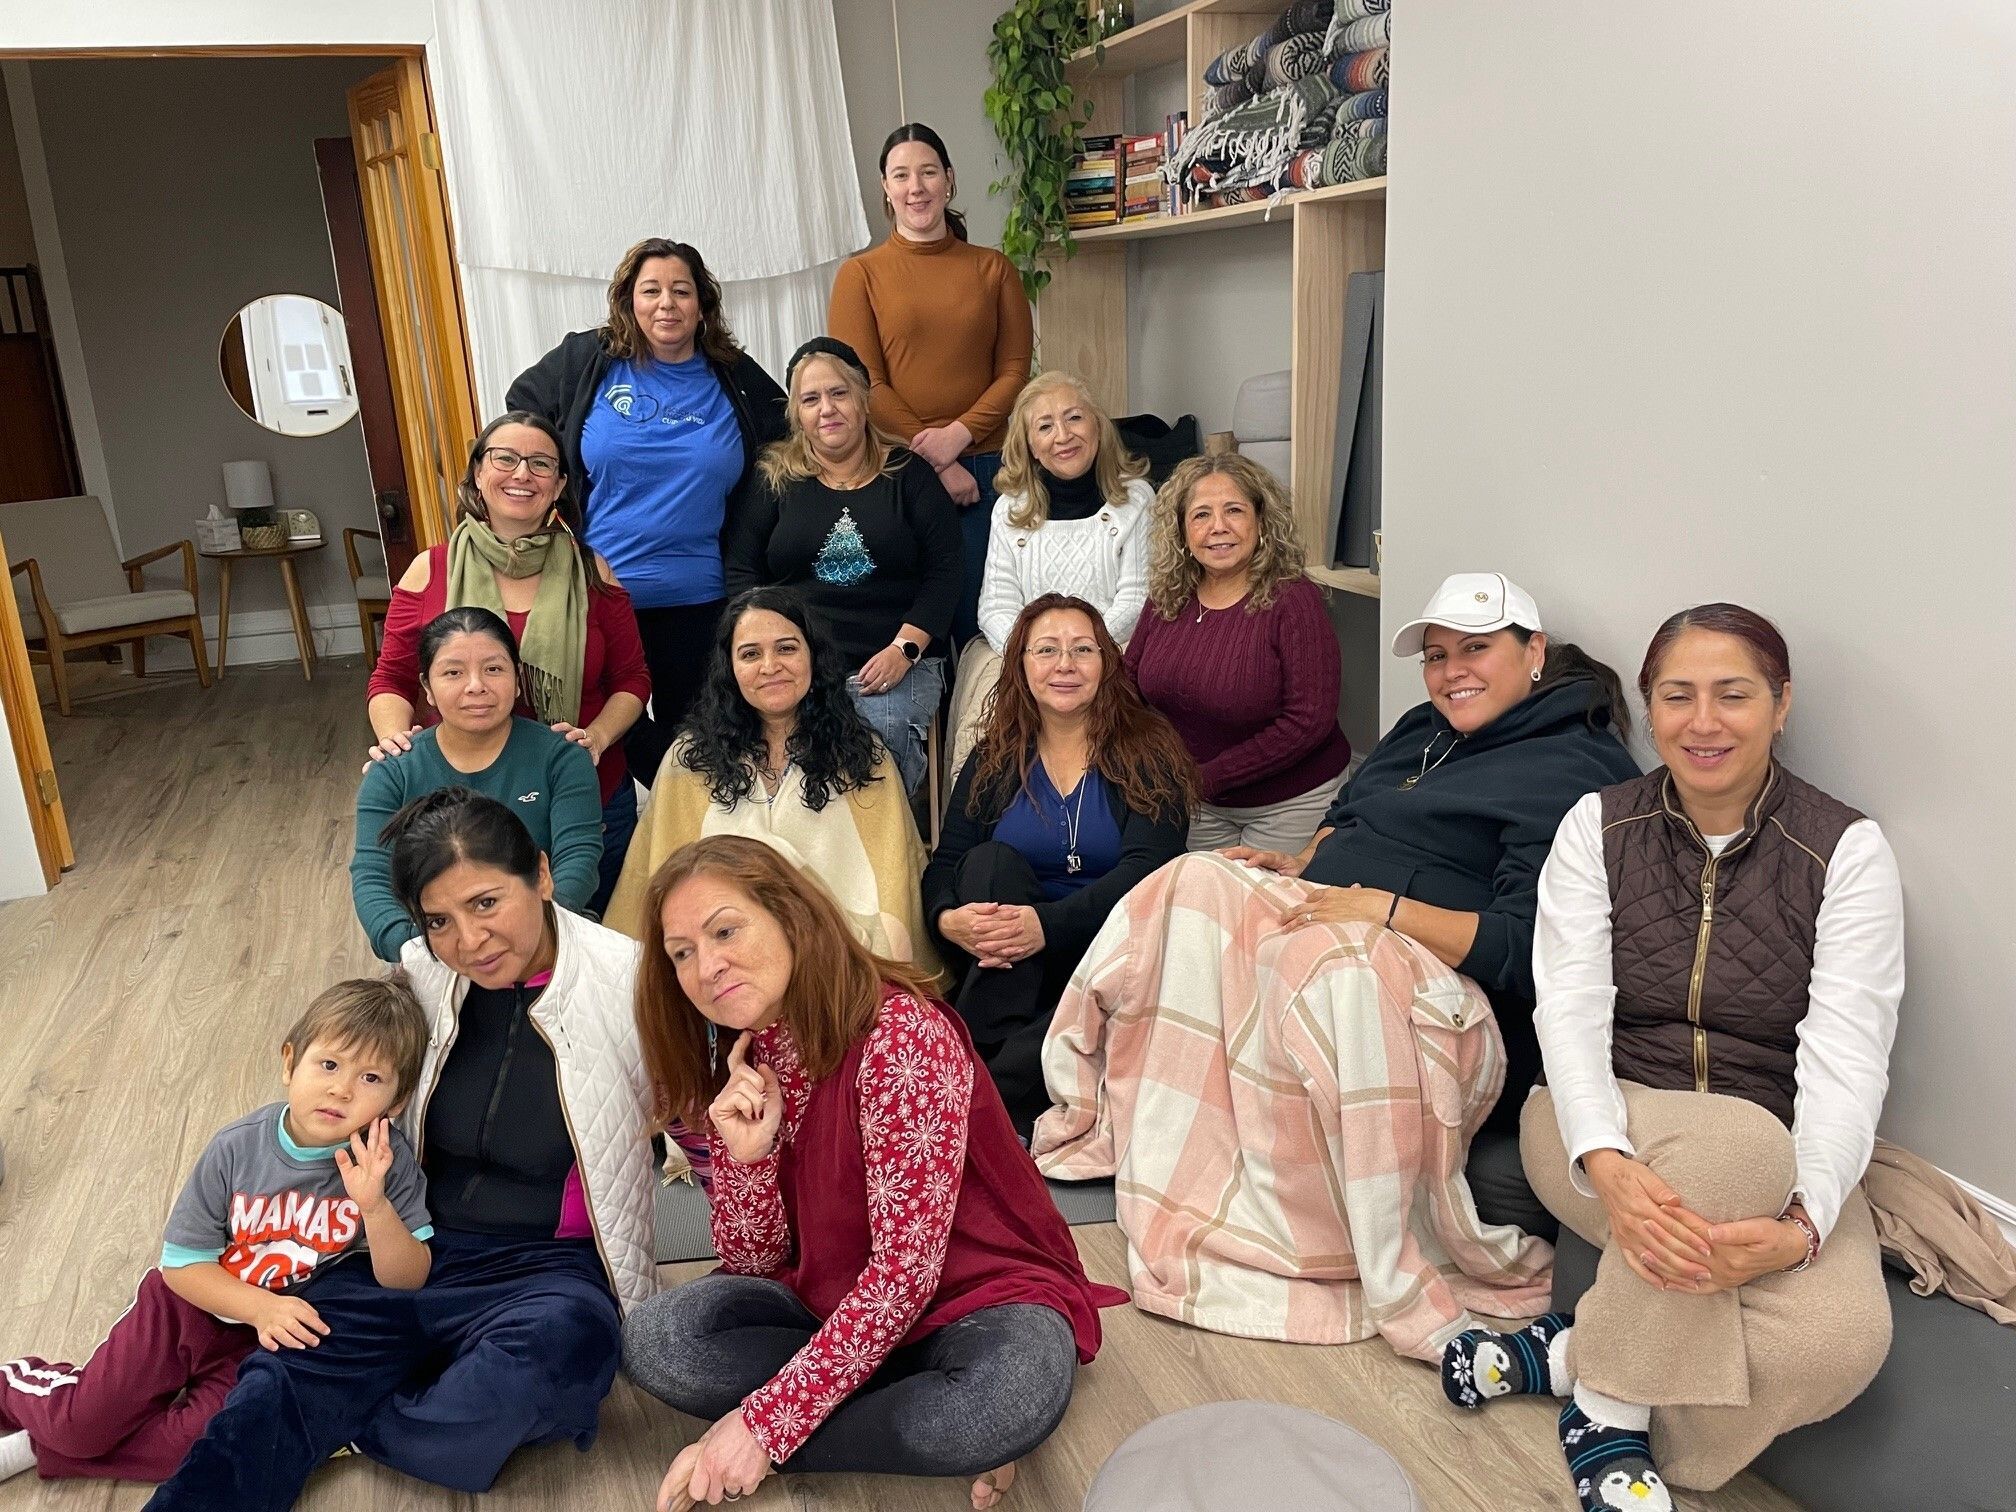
x=910, y=649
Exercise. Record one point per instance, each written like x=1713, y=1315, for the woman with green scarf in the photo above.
x=518, y=551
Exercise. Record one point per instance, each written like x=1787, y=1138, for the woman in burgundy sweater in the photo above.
x=518, y=551
x=875, y=1214
x=1238, y=653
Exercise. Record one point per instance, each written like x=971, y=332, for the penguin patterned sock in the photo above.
x=1611, y=1467
x=1478, y=1364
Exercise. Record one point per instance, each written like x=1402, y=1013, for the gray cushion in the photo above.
x=1934, y=1429
x=115, y=610
x=1250, y=1454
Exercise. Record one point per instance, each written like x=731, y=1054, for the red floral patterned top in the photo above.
x=932, y=1230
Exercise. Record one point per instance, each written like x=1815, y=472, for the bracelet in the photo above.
x=1392, y=909
x=1806, y=1227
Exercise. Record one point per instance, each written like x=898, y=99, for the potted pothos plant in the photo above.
x=1036, y=114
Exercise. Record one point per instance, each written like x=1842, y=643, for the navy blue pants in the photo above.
x=510, y=1342
x=975, y=521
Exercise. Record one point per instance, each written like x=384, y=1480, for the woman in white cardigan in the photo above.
x=1071, y=518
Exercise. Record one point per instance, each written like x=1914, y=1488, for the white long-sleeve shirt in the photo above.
x=1102, y=559
x=1842, y=1068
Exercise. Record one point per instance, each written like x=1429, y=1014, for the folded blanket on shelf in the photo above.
x=1219, y=98
x=1286, y=1116
x=1368, y=106
x=1253, y=143
x=1362, y=35
x=1355, y=73
x=1357, y=150
x=1293, y=58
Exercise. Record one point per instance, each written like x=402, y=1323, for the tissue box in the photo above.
x=218, y=535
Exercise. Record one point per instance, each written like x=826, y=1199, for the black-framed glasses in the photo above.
x=506, y=460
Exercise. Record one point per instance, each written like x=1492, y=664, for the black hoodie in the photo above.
x=1473, y=832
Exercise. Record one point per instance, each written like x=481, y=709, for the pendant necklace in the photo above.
x=1073, y=862
x=1411, y=783
x=772, y=794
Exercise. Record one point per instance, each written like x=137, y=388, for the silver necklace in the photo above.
x=1073, y=862
x=1413, y=782
x=771, y=794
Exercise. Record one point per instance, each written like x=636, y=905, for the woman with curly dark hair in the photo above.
x=776, y=750
x=1076, y=791
x=662, y=414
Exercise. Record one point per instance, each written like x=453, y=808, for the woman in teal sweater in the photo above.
x=469, y=671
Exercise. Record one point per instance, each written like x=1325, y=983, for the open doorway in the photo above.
x=241, y=299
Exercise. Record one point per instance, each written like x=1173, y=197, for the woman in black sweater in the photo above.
x=1076, y=791
x=866, y=533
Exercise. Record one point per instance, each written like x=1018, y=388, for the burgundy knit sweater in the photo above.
x=1254, y=696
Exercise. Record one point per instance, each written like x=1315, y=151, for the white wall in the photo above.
x=17, y=227
x=20, y=867
x=939, y=49
x=31, y=26
x=1681, y=308
x=184, y=188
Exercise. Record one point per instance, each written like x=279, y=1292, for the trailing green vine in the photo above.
x=1036, y=114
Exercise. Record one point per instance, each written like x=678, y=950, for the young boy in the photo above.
x=275, y=1196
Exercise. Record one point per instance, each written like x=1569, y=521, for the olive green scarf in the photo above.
x=555, y=643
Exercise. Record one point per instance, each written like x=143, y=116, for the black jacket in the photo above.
x=1147, y=842
x=1474, y=831
x=562, y=385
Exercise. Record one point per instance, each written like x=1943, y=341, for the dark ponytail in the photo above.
x=1566, y=661
x=452, y=824
x=917, y=131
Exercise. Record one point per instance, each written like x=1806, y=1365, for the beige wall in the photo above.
x=184, y=188
x=1694, y=318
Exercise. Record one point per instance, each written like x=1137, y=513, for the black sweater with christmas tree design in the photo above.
x=866, y=560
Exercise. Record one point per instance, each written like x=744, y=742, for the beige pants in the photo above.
x=1725, y=1373
x=979, y=670
x=1285, y=826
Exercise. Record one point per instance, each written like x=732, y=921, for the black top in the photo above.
x=867, y=560
x=1073, y=498
x=562, y=386
x=496, y=1148
x=1147, y=841
x=1473, y=832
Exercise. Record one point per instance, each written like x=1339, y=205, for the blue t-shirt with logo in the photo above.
x=662, y=451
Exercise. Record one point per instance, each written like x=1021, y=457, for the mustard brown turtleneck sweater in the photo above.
x=945, y=331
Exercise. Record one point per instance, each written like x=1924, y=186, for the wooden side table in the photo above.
x=304, y=637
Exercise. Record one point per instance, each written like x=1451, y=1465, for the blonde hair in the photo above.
x=791, y=460
x=1173, y=574
x=1113, y=469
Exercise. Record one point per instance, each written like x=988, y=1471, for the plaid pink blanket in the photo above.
x=1286, y=1117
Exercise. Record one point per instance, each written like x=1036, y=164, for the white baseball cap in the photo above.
x=1479, y=601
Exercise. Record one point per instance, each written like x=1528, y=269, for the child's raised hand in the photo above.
x=364, y=1164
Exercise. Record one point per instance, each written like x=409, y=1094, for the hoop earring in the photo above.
x=1536, y=674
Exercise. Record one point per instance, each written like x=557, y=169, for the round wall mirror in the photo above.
x=285, y=360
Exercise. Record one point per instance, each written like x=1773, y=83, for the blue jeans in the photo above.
x=619, y=823
x=902, y=716
x=974, y=522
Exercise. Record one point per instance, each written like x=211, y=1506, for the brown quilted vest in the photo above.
x=1713, y=956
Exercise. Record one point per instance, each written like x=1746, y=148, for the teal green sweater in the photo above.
x=545, y=780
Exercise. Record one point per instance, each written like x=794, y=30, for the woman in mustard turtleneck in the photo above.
x=945, y=331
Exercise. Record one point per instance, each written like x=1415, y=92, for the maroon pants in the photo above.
x=132, y=1411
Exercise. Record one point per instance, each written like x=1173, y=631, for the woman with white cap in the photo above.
x=1441, y=832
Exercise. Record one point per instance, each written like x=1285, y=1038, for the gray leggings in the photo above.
x=972, y=1396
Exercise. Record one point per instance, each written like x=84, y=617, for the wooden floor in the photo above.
x=140, y=1008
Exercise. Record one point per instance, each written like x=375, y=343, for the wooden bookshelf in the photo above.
x=1339, y=230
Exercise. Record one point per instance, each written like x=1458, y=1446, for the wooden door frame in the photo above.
x=18, y=696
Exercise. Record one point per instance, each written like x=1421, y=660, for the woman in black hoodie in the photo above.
x=662, y=415
x=1441, y=832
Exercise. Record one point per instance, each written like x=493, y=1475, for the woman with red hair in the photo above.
x=1076, y=791
x=897, y=1294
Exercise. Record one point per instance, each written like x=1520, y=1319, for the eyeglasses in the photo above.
x=506, y=460
x=1049, y=653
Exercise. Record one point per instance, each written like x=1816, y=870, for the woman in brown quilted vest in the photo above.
x=1719, y=957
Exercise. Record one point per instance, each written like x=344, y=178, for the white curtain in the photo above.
x=574, y=131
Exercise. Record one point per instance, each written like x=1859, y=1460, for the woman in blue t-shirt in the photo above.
x=1076, y=791
x=662, y=415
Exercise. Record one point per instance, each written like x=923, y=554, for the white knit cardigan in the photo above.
x=1103, y=560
